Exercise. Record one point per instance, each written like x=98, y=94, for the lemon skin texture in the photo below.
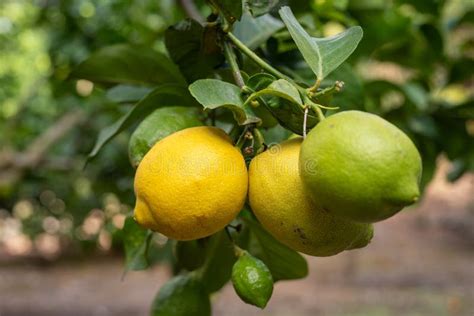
x=279, y=201
x=191, y=184
x=359, y=166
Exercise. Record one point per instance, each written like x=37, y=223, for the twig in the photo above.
x=13, y=164
x=244, y=49
x=230, y=57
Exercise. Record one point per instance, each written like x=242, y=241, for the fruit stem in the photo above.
x=230, y=57
x=315, y=87
x=243, y=137
x=250, y=54
x=305, y=119
x=315, y=107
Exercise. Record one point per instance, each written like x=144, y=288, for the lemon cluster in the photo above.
x=318, y=195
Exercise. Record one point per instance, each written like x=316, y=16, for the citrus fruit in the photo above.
x=252, y=280
x=190, y=184
x=279, y=201
x=159, y=124
x=359, y=166
x=184, y=295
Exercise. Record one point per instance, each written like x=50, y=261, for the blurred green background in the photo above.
x=414, y=66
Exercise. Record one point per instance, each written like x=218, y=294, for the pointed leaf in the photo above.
x=124, y=63
x=124, y=93
x=193, y=48
x=213, y=93
x=253, y=32
x=159, y=124
x=136, y=241
x=169, y=94
x=183, y=295
x=323, y=55
x=283, y=89
x=220, y=258
x=283, y=262
x=284, y=102
x=260, y=81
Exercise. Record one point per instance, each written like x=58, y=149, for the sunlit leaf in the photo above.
x=213, y=93
x=164, y=95
x=136, y=241
x=323, y=55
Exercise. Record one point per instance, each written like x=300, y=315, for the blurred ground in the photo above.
x=419, y=263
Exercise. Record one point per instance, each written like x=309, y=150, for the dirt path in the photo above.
x=419, y=263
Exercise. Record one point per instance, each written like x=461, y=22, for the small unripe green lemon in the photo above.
x=190, y=184
x=359, y=166
x=252, y=280
x=279, y=201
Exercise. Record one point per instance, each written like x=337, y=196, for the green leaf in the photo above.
x=261, y=7
x=165, y=95
x=213, y=93
x=231, y=9
x=323, y=55
x=217, y=269
x=183, y=295
x=253, y=32
x=159, y=124
x=283, y=262
x=136, y=241
x=260, y=81
x=191, y=254
x=252, y=280
x=283, y=101
x=193, y=48
x=127, y=93
x=283, y=89
x=123, y=63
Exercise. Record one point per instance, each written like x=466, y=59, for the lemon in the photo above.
x=359, y=166
x=279, y=201
x=252, y=280
x=190, y=184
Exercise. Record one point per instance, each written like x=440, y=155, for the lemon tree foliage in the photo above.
x=213, y=103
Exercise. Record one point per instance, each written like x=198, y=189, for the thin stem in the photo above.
x=230, y=57
x=242, y=138
x=250, y=54
x=305, y=119
x=315, y=87
x=229, y=234
x=318, y=111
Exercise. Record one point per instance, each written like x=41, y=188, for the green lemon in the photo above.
x=278, y=199
x=184, y=295
x=252, y=280
x=159, y=124
x=359, y=166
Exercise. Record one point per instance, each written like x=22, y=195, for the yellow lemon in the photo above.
x=190, y=184
x=279, y=201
